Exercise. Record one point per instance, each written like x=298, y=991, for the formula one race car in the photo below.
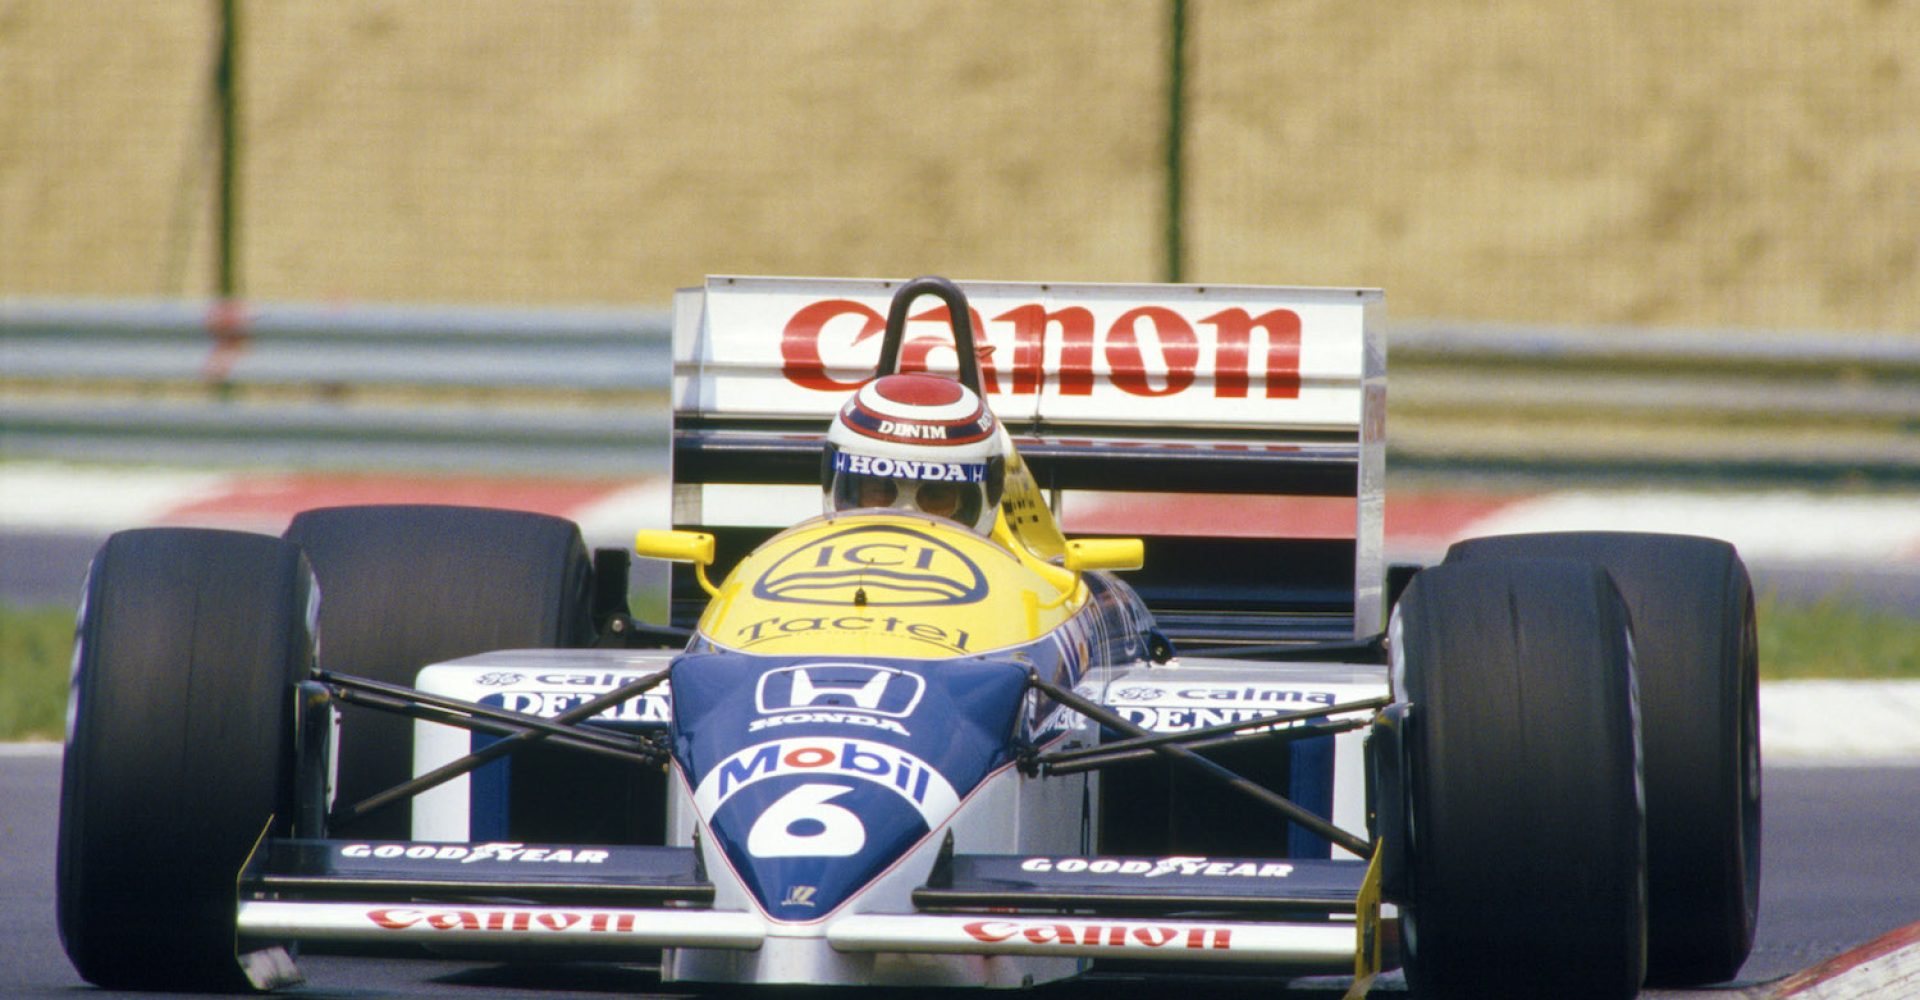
x=924, y=738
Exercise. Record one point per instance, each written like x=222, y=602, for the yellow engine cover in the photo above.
x=886, y=585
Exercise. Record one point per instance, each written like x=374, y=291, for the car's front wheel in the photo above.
x=179, y=753
x=1525, y=858
x=1697, y=660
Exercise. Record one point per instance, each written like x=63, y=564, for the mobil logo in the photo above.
x=869, y=688
x=827, y=813
x=1228, y=352
x=886, y=565
x=857, y=760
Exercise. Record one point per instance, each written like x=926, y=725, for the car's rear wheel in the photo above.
x=179, y=752
x=1525, y=855
x=411, y=585
x=1697, y=661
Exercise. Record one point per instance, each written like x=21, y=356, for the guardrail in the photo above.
x=547, y=390
x=584, y=390
x=1616, y=402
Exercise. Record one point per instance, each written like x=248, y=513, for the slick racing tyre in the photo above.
x=1525, y=872
x=407, y=586
x=1698, y=665
x=179, y=753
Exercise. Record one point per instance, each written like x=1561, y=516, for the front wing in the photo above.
x=1301, y=915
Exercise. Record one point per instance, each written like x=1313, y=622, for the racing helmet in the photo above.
x=916, y=442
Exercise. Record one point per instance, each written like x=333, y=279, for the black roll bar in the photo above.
x=958, y=313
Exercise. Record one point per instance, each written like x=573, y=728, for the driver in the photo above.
x=916, y=442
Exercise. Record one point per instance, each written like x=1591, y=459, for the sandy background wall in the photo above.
x=1659, y=162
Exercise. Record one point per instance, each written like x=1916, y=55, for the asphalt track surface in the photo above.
x=1837, y=873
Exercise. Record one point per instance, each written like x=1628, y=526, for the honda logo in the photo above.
x=885, y=691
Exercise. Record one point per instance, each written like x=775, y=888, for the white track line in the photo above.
x=47, y=497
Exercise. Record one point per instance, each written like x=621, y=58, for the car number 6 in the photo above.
x=804, y=824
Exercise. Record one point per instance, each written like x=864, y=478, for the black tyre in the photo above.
x=1525, y=860
x=1698, y=663
x=407, y=586
x=179, y=753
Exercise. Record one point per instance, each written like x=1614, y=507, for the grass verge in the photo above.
x=1836, y=638
x=1832, y=638
x=36, y=650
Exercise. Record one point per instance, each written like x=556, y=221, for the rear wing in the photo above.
x=1131, y=388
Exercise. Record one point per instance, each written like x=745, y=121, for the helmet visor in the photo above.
x=956, y=491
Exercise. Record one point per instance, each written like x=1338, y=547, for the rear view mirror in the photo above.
x=1105, y=553
x=695, y=547
x=677, y=546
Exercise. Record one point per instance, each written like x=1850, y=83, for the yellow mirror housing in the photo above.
x=677, y=546
x=1105, y=553
x=695, y=547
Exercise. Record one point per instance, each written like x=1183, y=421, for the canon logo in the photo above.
x=1015, y=344
x=1107, y=935
x=401, y=918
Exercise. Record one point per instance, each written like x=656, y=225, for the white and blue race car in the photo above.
x=883, y=749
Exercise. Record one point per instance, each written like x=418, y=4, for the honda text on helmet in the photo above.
x=919, y=443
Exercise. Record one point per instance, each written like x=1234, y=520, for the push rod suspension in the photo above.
x=1372, y=649
x=1125, y=756
x=571, y=737
x=1223, y=729
x=1279, y=803
x=364, y=693
x=524, y=738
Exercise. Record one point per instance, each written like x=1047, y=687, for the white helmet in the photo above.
x=916, y=442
